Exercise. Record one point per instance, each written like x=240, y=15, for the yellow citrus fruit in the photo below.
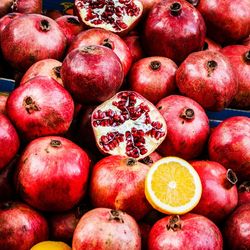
x=173, y=186
x=51, y=245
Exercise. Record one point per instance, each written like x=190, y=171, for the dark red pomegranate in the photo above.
x=239, y=57
x=118, y=16
x=188, y=127
x=244, y=193
x=9, y=141
x=128, y=125
x=46, y=67
x=30, y=38
x=246, y=41
x=211, y=82
x=3, y=100
x=229, y=145
x=6, y=19
x=27, y=6
x=53, y=13
x=227, y=21
x=108, y=39
x=21, y=226
x=52, y=174
x=152, y=158
x=237, y=229
x=189, y=231
x=219, y=192
x=153, y=77
x=92, y=74
x=109, y=185
x=103, y=228
x=40, y=107
x=211, y=45
x=173, y=29
x=70, y=26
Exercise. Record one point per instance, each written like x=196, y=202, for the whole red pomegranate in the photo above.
x=6, y=19
x=117, y=16
x=40, y=107
x=21, y=226
x=3, y=100
x=151, y=159
x=46, y=67
x=229, y=145
x=211, y=45
x=188, y=127
x=108, y=39
x=227, y=21
x=236, y=231
x=173, y=29
x=103, y=228
x=52, y=174
x=92, y=74
x=244, y=193
x=239, y=57
x=219, y=192
x=128, y=125
x=30, y=38
x=153, y=77
x=27, y=6
x=9, y=141
x=211, y=82
x=109, y=185
x=190, y=231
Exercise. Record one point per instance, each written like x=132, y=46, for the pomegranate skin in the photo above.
x=9, y=141
x=188, y=127
x=219, y=196
x=173, y=29
x=40, y=107
x=218, y=14
x=152, y=158
x=30, y=38
x=236, y=231
x=239, y=57
x=211, y=45
x=190, y=231
x=103, y=228
x=21, y=226
x=109, y=185
x=229, y=145
x=208, y=78
x=153, y=77
x=27, y=6
x=6, y=19
x=3, y=101
x=244, y=193
x=52, y=174
x=92, y=74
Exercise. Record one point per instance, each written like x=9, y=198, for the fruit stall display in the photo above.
x=125, y=124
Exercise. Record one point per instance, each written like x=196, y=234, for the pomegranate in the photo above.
x=9, y=141
x=219, y=192
x=103, y=228
x=128, y=125
x=108, y=39
x=52, y=174
x=70, y=26
x=109, y=185
x=220, y=13
x=148, y=5
x=151, y=159
x=211, y=45
x=3, y=99
x=27, y=6
x=40, y=107
x=30, y=38
x=189, y=231
x=92, y=74
x=188, y=127
x=174, y=29
x=239, y=57
x=244, y=193
x=52, y=13
x=229, y=145
x=153, y=77
x=6, y=19
x=118, y=16
x=246, y=42
x=46, y=67
x=211, y=82
x=21, y=226
x=237, y=229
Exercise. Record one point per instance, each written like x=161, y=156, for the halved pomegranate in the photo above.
x=118, y=16
x=128, y=125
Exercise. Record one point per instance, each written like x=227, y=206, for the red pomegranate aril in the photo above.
x=244, y=193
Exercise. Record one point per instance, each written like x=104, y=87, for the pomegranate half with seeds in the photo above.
x=128, y=125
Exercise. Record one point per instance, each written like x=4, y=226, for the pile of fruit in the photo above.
x=105, y=141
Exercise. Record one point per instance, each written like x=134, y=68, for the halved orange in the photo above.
x=51, y=245
x=173, y=186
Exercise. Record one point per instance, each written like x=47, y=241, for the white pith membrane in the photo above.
x=97, y=13
x=181, y=209
x=139, y=124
